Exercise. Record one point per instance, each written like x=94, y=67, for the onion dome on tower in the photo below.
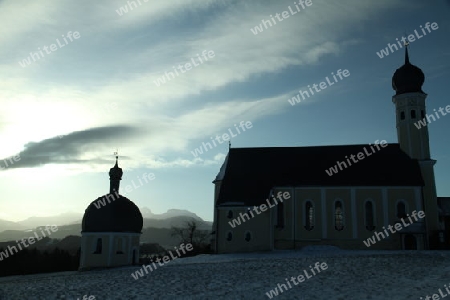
x=408, y=78
x=113, y=212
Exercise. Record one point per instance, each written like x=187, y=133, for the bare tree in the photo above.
x=191, y=233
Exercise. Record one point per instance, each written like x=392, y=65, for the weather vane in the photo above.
x=406, y=42
x=116, y=153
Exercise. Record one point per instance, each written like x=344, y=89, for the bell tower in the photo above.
x=409, y=101
x=115, y=176
x=412, y=135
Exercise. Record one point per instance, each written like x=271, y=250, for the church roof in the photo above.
x=250, y=173
x=221, y=173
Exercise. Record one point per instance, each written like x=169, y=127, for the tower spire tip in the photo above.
x=406, y=53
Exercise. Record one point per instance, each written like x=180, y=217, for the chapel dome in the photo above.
x=120, y=215
x=112, y=212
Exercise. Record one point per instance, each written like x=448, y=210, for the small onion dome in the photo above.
x=116, y=172
x=408, y=78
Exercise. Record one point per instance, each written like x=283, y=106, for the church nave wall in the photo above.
x=252, y=235
x=369, y=215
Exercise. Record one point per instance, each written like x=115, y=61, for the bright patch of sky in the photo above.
x=71, y=108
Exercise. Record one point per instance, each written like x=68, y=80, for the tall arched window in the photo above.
x=413, y=114
x=401, y=210
x=402, y=115
x=248, y=236
x=338, y=216
x=229, y=236
x=98, y=247
x=230, y=214
x=280, y=215
x=309, y=216
x=369, y=216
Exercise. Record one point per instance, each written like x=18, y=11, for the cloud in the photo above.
x=76, y=147
x=155, y=10
x=157, y=163
x=117, y=59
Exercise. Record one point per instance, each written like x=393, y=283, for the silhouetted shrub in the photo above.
x=32, y=261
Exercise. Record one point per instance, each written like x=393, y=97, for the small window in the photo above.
x=229, y=236
x=309, y=216
x=280, y=215
x=413, y=114
x=248, y=236
x=230, y=214
x=339, y=216
x=401, y=210
x=422, y=114
x=369, y=216
x=98, y=248
x=402, y=115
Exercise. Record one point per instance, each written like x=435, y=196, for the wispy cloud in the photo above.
x=76, y=147
x=123, y=55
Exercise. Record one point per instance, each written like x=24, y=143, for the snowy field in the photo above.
x=349, y=275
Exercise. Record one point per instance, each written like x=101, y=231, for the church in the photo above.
x=305, y=205
x=111, y=233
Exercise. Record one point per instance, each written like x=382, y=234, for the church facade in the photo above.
x=364, y=200
x=111, y=232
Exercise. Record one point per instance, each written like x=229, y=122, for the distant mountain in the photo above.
x=159, y=230
x=179, y=221
x=173, y=217
x=70, y=239
x=62, y=232
x=12, y=235
x=41, y=244
x=147, y=213
x=59, y=220
x=162, y=236
x=70, y=243
x=8, y=225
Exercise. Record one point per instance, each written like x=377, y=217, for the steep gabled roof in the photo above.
x=250, y=173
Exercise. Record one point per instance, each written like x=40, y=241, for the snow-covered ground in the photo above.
x=350, y=275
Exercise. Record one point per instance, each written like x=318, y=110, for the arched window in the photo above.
x=309, y=216
x=413, y=114
x=369, y=216
x=230, y=214
x=229, y=236
x=401, y=210
x=98, y=247
x=422, y=114
x=338, y=216
x=280, y=215
x=248, y=236
x=402, y=115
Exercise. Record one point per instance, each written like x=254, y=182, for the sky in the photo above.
x=95, y=83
